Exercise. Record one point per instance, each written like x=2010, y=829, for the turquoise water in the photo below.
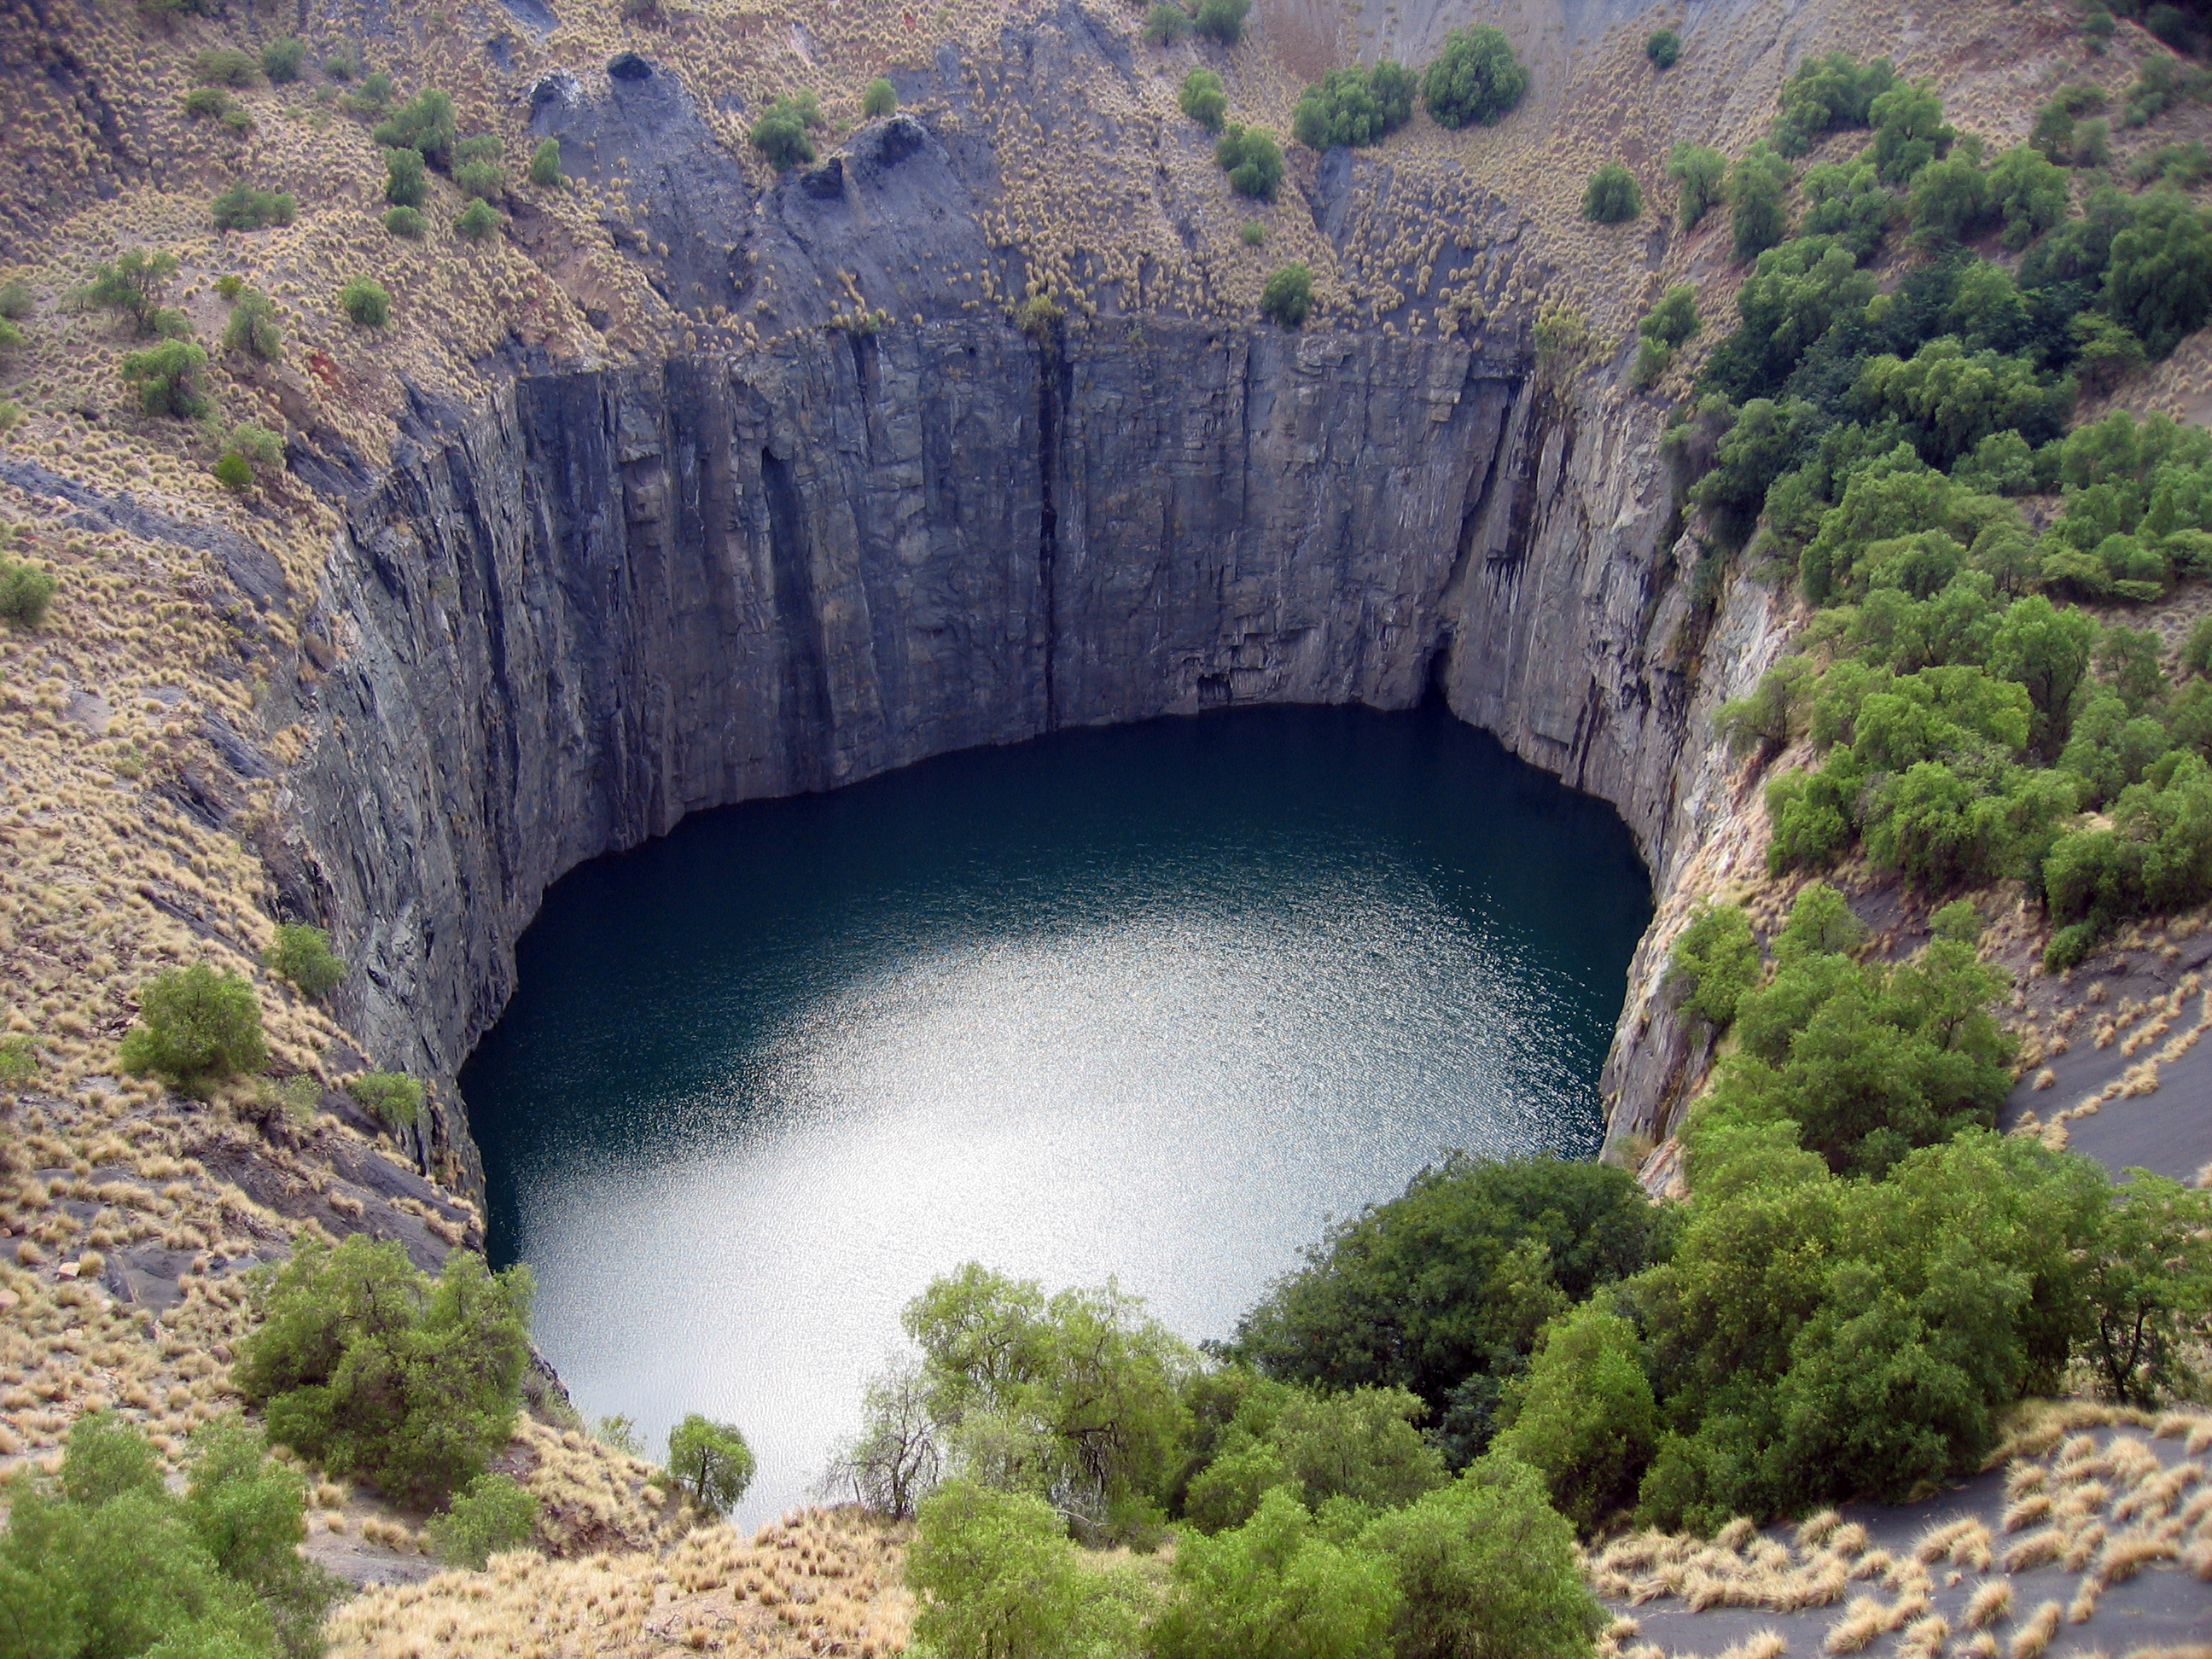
x=1154, y=1002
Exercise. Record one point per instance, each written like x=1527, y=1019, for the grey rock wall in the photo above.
x=612, y=598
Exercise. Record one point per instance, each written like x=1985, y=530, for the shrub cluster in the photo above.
x=1288, y=296
x=378, y=1371
x=1355, y=107
x=107, y=1562
x=1202, y=98
x=241, y=207
x=196, y=1028
x=1252, y=159
x=780, y=134
x=1612, y=197
x=1475, y=80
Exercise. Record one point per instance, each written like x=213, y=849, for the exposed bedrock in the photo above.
x=612, y=599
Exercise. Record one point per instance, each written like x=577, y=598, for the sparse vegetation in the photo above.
x=132, y=283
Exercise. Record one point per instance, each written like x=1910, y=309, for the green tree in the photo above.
x=26, y=591
x=1288, y=296
x=365, y=302
x=240, y=207
x=1828, y=93
x=2147, y=1279
x=1486, y=1569
x=234, y=472
x=2030, y=192
x=302, y=954
x=406, y=184
x=1362, y=1445
x=1674, y=319
x=249, y=1512
x=1699, y=171
x=1950, y=201
x=1757, y=185
x=425, y=123
x=1663, y=47
x=1167, y=24
x=1276, y=1587
x=2046, y=649
x=545, y=164
x=493, y=1513
x=196, y=1027
x=1716, y=958
x=254, y=328
x=1252, y=159
x=780, y=134
x=1222, y=20
x=405, y=221
x=281, y=59
x=1909, y=132
x=1583, y=1416
x=132, y=282
x=1355, y=106
x=2159, y=283
x=477, y=220
x=997, y=1579
x=710, y=1462
x=376, y=1370
x=1202, y=98
x=1612, y=197
x=1475, y=79
x=878, y=98
x=1849, y=203
x=394, y=1098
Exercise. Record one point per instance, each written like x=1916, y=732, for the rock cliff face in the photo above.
x=616, y=598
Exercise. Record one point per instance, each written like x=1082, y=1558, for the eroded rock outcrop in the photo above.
x=616, y=598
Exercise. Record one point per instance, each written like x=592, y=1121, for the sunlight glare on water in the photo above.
x=1152, y=1003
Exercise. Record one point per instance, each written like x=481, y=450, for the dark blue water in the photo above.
x=1154, y=1002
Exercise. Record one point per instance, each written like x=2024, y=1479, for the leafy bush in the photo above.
x=15, y=299
x=111, y=1563
x=1950, y=202
x=364, y=300
x=405, y=182
x=1355, y=106
x=1757, y=184
x=253, y=328
x=781, y=132
x=478, y=221
x=493, y=1513
x=132, y=282
x=1475, y=79
x=1202, y=98
x=375, y=1370
x=996, y=1578
x=1663, y=47
x=302, y=954
x=1278, y=1584
x=477, y=169
x=1698, y=170
x=225, y=66
x=1716, y=958
x=1288, y=296
x=546, y=165
x=1612, y=197
x=1252, y=159
x=1254, y=233
x=1825, y=94
x=341, y=64
x=214, y=104
x=425, y=123
x=2029, y=193
x=234, y=472
x=1167, y=24
x=878, y=98
x=1909, y=133
x=1484, y=1568
x=1221, y=20
x=1381, y=1303
x=240, y=207
x=2159, y=282
x=281, y=59
x=196, y=1027
x=373, y=97
x=393, y=1098
x=170, y=379
x=710, y=1463
x=406, y=221
x=1584, y=1417
x=26, y=591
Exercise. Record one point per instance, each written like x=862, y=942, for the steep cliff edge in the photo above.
x=616, y=598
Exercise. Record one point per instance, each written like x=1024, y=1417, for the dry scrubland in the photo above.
x=113, y=713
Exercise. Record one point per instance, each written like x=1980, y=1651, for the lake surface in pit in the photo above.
x=1155, y=1002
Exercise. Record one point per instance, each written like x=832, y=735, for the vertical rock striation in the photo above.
x=615, y=598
